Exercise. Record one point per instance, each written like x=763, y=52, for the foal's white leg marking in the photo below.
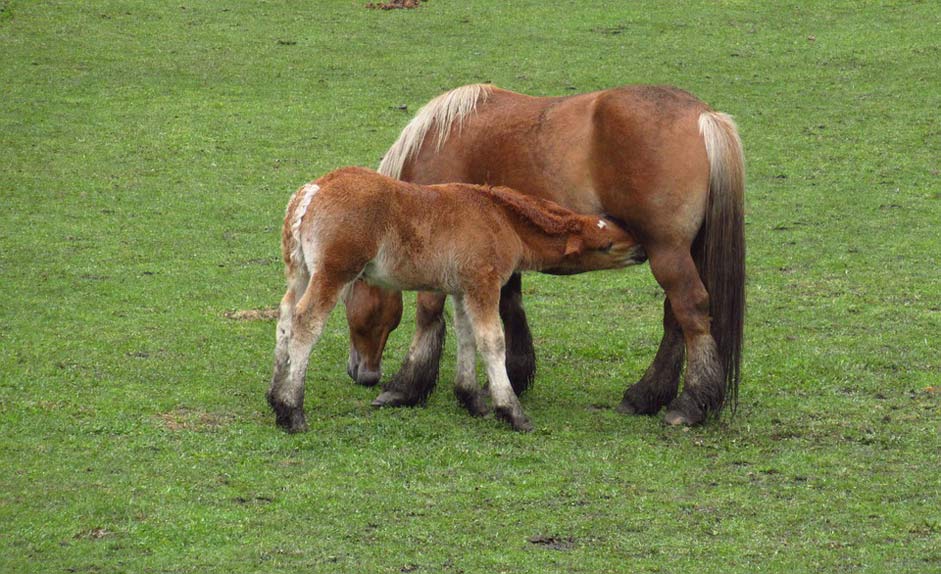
x=488, y=334
x=297, y=284
x=466, y=348
x=308, y=321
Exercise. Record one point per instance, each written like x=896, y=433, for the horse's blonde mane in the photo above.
x=440, y=112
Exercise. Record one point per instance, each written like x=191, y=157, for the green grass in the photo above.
x=147, y=150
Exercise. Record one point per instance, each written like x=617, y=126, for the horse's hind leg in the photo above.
x=306, y=322
x=520, y=356
x=703, y=389
x=661, y=381
x=466, y=389
x=418, y=374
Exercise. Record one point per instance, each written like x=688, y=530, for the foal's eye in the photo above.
x=607, y=247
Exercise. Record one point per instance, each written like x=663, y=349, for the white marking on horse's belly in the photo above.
x=601, y=224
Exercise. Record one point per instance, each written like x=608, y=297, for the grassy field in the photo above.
x=147, y=150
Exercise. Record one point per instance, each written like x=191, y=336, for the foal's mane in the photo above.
x=548, y=217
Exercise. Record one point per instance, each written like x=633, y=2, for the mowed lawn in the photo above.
x=147, y=150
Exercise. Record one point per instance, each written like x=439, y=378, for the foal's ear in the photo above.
x=573, y=245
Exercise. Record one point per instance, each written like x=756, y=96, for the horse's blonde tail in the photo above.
x=441, y=112
x=291, y=245
x=721, y=251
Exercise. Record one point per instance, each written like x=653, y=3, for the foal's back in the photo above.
x=404, y=236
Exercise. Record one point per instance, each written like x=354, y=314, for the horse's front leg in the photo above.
x=468, y=392
x=483, y=311
x=661, y=381
x=418, y=374
x=520, y=356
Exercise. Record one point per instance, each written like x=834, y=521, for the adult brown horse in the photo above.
x=657, y=158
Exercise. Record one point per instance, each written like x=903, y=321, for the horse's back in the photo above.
x=634, y=152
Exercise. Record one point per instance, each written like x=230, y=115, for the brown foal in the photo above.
x=460, y=239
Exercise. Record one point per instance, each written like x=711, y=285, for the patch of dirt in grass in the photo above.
x=6, y=10
x=253, y=500
x=252, y=315
x=93, y=534
x=183, y=418
x=553, y=542
x=394, y=5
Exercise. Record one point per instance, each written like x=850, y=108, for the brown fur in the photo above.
x=655, y=157
x=459, y=239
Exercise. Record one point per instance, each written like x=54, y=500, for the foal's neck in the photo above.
x=543, y=227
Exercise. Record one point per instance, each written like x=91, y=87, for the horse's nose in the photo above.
x=368, y=378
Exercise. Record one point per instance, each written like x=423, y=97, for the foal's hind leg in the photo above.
x=661, y=381
x=520, y=356
x=468, y=392
x=485, y=318
x=307, y=319
x=703, y=389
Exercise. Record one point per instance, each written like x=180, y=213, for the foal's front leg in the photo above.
x=468, y=392
x=483, y=311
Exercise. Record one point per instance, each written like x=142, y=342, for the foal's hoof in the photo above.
x=514, y=417
x=391, y=399
x=473, y=401
x=297, y=424
x=685, y=412
x=289, y=418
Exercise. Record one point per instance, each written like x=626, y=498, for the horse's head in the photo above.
x=372, y=313
x=599, y=243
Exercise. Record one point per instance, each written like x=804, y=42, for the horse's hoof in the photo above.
x=367, y=378
x=639, y=399
x=684, y=411
x=390, y=399
x=677, y=418
x=473, y=401
x=514, y=418
x=677, y=415
x=627, y=408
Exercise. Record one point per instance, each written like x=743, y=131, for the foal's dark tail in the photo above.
x=720, y=248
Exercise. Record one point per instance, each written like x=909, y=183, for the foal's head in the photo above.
x=598, y=243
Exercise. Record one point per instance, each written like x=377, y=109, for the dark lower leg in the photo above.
x=704, y=387
x=520, y=355
x=704, y=384
x=661, y=381
x=418, y=374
